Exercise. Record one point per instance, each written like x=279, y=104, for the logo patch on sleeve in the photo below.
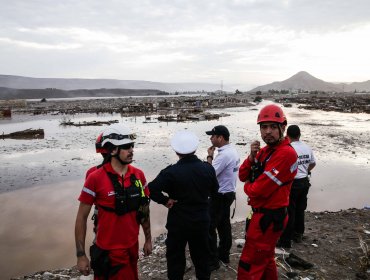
x=111, y=193
x=275, y=171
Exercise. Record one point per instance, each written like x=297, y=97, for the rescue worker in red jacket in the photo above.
x=268, y=174
x=121, y=194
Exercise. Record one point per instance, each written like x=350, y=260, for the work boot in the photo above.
x=298, y=237
x=282, y=243
x=225, y=260
x=214, y=266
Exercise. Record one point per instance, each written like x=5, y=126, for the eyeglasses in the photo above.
x=126, y=146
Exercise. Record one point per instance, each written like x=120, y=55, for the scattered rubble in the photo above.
x=91, y=123
x=136, y=106
x=340, y=102
x=344, y=103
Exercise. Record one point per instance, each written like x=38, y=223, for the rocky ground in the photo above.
x=335, y=243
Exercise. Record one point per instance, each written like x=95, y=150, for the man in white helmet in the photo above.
x=120, y=192
x=188, y=186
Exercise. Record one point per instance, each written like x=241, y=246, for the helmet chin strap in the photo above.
x=281, y=132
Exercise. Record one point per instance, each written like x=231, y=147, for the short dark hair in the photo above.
x=293, y=131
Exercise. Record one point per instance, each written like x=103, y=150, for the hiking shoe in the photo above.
x=225, y=260
x=214, y=266
x=286, y=244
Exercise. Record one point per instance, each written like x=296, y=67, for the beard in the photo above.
x=270, y=140
x=127, y=160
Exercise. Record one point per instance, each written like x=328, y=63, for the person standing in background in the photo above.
x=298, y=194
x=226, y=165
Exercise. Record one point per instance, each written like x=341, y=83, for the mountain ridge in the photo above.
x=303, y=81
x=21, y=82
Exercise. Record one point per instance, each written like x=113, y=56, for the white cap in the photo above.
x=184, y=142
x=118, y=134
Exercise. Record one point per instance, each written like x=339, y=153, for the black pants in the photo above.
x=197, y=239
x=297, y=206
x=220, y=221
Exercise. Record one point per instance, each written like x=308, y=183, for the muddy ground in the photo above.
x=332, y=244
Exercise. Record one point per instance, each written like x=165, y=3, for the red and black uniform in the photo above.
x=269, y=196
x=116, y=234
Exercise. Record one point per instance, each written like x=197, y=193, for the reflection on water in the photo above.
x=38, y=222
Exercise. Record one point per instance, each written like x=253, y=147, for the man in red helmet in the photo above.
x=268, y=174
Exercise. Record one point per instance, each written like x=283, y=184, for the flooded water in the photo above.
x=40, y=180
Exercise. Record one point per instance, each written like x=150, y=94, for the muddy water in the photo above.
x=40, y=180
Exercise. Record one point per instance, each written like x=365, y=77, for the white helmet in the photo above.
x=184, y=142
x=118, y=134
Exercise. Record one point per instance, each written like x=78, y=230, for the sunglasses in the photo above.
x=126, y=146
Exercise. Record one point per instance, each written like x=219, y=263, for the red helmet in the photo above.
x=98, y=146
x=271, y=113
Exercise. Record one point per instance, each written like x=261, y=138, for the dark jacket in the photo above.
x=192, y=183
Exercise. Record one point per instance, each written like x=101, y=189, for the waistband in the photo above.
x=266, y=210
x=301, y=179
x=226, y=193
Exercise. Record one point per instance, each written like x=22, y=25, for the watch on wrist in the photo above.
x=80, y=254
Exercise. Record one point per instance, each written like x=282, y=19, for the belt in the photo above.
x=226, y=193
x=301, y=179
x=266, y=210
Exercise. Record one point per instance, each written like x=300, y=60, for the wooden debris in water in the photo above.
x=92, y=123
x=26, y=134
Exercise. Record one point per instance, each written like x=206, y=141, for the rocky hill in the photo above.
x=303, y=81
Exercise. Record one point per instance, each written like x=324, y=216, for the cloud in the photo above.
x=38, y=46
x=231, y=40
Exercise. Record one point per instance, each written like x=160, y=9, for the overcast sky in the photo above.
x=250, y=42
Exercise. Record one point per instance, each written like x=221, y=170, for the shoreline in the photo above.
x=148, y=105
x=332, y=244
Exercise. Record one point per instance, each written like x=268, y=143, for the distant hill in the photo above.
x=11, y=93
x=358, y=87
x=305, y=82
x=19, y=82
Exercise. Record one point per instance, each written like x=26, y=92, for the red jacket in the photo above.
x=272, y=188
x=113, y=232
